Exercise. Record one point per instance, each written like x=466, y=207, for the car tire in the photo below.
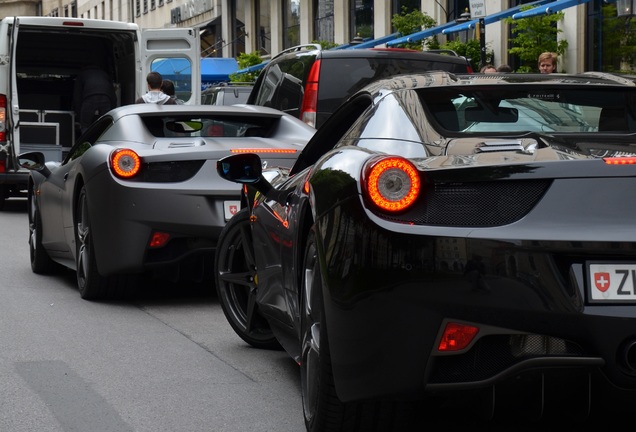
x=235, y=272
x=41, y=263
x=92, y=285
x=323, y=410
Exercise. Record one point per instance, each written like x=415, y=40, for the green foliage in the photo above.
x=471, y=50
x=245, y=60
x=411, y=22
x=619, y=41
x=533, y=36
x=325, y=44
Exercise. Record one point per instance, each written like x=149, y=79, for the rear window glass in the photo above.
x=340, y=78
x=519, y=109
x=210, y=126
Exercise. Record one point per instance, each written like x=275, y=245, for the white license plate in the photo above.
x=612, y=283
x=230, y=208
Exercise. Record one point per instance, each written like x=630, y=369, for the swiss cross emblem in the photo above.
x=233, y=209
x=602, y=281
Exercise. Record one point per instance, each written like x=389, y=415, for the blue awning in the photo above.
x=414, y=37
x=549, y=8
x=497, y=16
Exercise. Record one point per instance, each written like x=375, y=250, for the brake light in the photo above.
x=310, y=99
x=392, y=183
x=457, y=336
x=3, y=117
x=620, y=160
x=125, y=163
x=3, y=166
x=262, y=150
x=158, y=239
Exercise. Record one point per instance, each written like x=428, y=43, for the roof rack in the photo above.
x=303, y=47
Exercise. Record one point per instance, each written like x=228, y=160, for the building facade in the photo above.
x=229, y=27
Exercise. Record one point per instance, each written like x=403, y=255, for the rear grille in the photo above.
x=494, y=354
x=474, y=204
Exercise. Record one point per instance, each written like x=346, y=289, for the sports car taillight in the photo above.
x=391, y=183
x=125, y=163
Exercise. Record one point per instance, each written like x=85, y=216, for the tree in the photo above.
x=471, y=50
x=533, y=36
x=407, y=23
x=244, y=61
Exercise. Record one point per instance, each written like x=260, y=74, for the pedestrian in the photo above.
x=93, y=95
x=167, y=86
x=488, y=68
x=504, y=68
x=547, y=62
x=154, y=94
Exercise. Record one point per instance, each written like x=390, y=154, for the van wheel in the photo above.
x=235, y=283
x=4, y=194
x=40, y=261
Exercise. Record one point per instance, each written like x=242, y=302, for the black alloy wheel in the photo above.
x=41, y=263
x=91, y=285
x=236, y=283
x=322, y=409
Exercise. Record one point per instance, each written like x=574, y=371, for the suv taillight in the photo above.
x=310, y=100
x=3, y=117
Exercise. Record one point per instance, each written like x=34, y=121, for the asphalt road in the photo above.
x=165, y=361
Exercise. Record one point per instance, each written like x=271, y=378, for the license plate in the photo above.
x=611, y=282
x=230, y=208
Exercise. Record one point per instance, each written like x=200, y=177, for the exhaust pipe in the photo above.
x=628, y=356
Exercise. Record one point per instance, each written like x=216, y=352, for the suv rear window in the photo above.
x=341, y=78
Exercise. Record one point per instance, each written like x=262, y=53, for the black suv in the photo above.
x=310, y=83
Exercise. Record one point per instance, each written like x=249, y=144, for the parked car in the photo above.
x=419, y=273
x=138, y=194
x=310, y=83
x=228, y=94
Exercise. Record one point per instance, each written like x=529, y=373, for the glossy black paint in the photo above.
x=390, y=283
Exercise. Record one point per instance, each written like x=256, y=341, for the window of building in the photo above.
x=361, y=16
x=73, y=9
x=137, y=8
x=291, y=23
x=145, y=6
x=238, y=8
x=610, y=40
x=410, y=5
x=323, y=20
x=160, y=3
x=264, y=26
x=153, y=5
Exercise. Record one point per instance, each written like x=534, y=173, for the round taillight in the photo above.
x=392, y=183
x=125, y=163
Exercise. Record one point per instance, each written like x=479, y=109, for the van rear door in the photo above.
x=13, y=105
x=175, y=54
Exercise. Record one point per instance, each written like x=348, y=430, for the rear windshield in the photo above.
x=506, y=109
x=210, y=126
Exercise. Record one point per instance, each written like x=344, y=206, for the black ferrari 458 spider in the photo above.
x=454, y=250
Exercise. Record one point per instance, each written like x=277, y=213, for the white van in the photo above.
x=39, y=60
